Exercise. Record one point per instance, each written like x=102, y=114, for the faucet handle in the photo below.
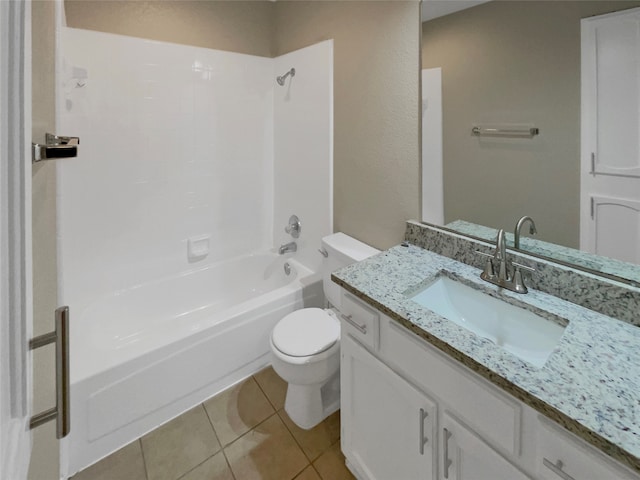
x=523, y=267
x=517, y=281
x=294, y=227
x=489, y=271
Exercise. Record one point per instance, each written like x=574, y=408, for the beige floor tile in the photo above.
x=268, y=452
x=237, y=410
x=273, y=386
x=308, y=473
x=330, y=465
x=178, y=446
x=316, y=441
x=216, y=468
x=125, y=464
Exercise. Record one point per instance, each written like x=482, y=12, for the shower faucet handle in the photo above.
x=294, y=228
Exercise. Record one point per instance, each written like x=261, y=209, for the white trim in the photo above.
x=432, y=156
x=16, y=300
x=60, y=23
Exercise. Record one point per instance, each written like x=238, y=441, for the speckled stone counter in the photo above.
x=591, y=382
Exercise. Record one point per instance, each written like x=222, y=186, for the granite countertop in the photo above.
x=590, y=384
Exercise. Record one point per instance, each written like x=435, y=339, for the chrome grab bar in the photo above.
x=61, y=412
x=349, y=319
x=505, y=132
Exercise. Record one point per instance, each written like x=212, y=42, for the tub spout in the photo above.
x=287, y=248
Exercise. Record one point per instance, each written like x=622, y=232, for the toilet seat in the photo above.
x=306, y=332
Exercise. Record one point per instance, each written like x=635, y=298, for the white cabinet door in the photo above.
x=465, y=456
x=388, y=426
x=610, y=149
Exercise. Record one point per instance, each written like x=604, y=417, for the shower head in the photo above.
x=282, y=78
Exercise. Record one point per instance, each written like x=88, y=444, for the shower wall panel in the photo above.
x=176, y=144
x=303, y=161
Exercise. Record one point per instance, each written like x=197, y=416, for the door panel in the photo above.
x=617, y=43
x=465, y=456
x=388, y=446
x=610, y=144
x=622, y=217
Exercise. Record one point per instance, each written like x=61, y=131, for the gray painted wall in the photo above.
x=236, y=26
x=376, y=113
x=513, y=62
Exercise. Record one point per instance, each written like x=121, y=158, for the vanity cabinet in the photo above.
x=388, y=425
x=409, y=412
x=467, y=456
x=562, y=456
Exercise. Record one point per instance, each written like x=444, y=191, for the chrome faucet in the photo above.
x=505, y=278
x=288, y=248
x=519, y=225
x=501, y=256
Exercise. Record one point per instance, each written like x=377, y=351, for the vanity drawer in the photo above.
x=360, y=321
x=563, y=456
x=491, y=414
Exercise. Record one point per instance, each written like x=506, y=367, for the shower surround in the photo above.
x=191, y=162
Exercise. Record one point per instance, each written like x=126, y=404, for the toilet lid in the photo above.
x=306, y=332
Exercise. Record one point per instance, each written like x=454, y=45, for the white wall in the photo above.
x=303, y=160
x=178, y=142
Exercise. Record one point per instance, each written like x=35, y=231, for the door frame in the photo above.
x=16, y=312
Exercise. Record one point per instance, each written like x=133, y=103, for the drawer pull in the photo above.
x=357, y=326
x=447, y=461
x=423, y=440
x=557, y=469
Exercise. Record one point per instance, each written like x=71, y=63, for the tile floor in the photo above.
x=242, y=433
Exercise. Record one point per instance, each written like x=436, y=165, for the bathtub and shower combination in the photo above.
x=156, y=330
x=151, y=352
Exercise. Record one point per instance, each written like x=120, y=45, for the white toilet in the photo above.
x=305, y=344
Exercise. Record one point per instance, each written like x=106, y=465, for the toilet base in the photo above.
x=308, y=405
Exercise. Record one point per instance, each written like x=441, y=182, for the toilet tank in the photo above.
x=342, y=250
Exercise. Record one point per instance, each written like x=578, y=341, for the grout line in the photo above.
x=228, y=464
x=191, y=470
x=313, y=467
x=262, y=389
x=215, y=434
x=144, y=460
x=218, y=438
x=294, y=437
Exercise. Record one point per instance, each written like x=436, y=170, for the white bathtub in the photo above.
x=144, y=355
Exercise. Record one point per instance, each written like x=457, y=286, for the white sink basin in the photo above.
x=521, y=332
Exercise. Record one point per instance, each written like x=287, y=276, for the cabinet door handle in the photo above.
x=557, y=469
x=423, y=440
x=447, y=461
x=357, y=326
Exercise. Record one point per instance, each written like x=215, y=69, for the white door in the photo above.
x=432, y=163
x=15, y=239
x=610, y=146
x=465, y=456
x=388, y=425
